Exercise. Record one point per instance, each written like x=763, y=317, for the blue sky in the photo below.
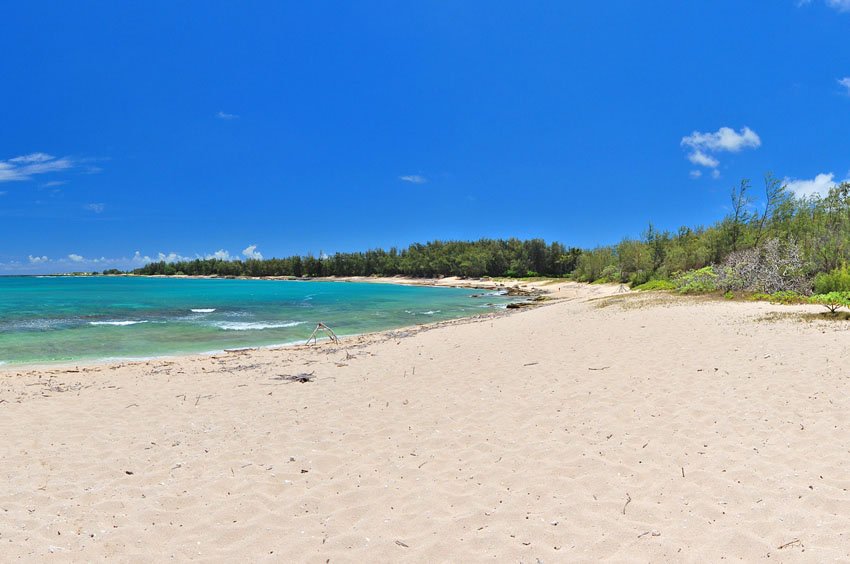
x=275, y=128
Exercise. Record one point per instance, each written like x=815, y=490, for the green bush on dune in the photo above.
x=786, y=297
x=698, y=281
x=832, y=300
x=655, y=285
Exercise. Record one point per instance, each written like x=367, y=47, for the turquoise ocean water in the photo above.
x=61, y=319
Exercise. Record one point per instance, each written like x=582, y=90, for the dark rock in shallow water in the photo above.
x=514, y=291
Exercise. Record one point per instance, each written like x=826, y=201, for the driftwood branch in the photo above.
x=326, y=330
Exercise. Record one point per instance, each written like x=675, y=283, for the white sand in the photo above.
x=516, y=438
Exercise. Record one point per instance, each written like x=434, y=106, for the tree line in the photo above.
x=815, y=228
x=486, y=257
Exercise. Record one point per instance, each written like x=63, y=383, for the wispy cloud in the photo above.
x=226, y=116
x=54, y=183
x=839, y=5
x=96, y=208
x=32, y=158
x=27, y=166
x=845, y=82
x=251, y=252
x=704, y=146
x=413, y=178
x=695, y=173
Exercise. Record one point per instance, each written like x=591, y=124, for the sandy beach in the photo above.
x=638, y=427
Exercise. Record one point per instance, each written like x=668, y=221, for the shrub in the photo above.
x=655, y=285
x=699, y=281
x=836, y=281
x=786, y=297
x=639, y=278
x=783, y=297
x=831, y=301
x=609, y=274
x=772, y=267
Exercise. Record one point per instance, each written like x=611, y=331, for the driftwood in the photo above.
x=327, y=330
x=302, y=378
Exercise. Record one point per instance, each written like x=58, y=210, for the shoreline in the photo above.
x=109, y=363
x=6, y=368
x=536, y=285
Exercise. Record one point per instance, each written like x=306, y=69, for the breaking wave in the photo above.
x=254, y=326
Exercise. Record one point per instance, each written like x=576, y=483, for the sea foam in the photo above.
x=203, y=310
x=254, y=326
x=116, y=323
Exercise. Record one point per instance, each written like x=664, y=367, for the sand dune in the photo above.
x=627, y=428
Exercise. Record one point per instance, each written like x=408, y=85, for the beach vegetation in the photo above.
x=700, y=281
x=771, y=241
x=836, y=280
x=655, y=285
x=832, y=301
x=784, y=297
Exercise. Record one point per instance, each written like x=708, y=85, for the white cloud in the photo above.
x=704, y=145
x=226, y=116
x=819, y=185
x=724, y=139
x=171, y=257
x=413, y=178
x=251, y=252
x=34, y=264
x=695, y=173
x=26, y=166
x=96, y=208
x=715, y=173
x=220, y=254
x=699, y=158
x=845, y=82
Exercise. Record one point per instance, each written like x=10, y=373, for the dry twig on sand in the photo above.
x=302, y=378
